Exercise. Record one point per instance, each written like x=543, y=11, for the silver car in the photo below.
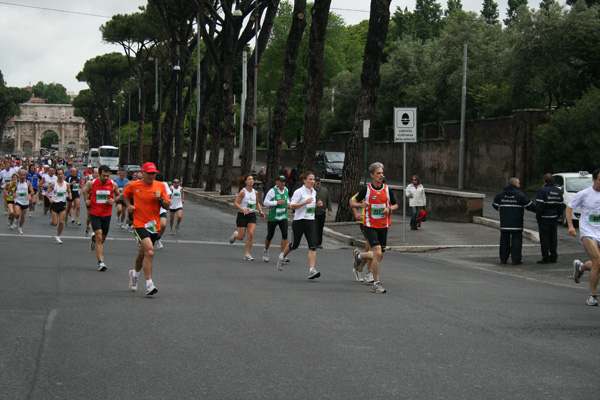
x=571, y=183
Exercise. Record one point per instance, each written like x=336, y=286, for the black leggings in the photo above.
x=283, y=226
x=306, y=227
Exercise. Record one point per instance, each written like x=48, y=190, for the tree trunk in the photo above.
x=215, y=144
x=263, y=39
x=370, y=80
x=282, y=104
x=314, y=98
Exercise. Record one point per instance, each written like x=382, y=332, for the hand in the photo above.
x=386, y=211
x=157, y=194
x=308, y=201
x=131, y=208
x=263, y=214
x=88, y=203
x=320, y=203
x=280, y=202
x=358, y=217
x=329, y=213
x=572, y=231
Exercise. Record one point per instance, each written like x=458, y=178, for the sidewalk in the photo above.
x=433, y=235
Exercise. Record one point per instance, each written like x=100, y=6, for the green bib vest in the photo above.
x=278, y=213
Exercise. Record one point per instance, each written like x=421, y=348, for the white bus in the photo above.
x=93, y=157
x=109, y=155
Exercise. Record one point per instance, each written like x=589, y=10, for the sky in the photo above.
x=38, y=43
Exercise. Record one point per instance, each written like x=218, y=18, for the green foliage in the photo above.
x=569, y=142
x=427, y=19
x=54, y=93
x=49, y=139
x=453, y=5
x=489, y=12
x=11, y=99
x=513, y=10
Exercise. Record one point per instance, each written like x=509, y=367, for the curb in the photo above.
x=527, y=233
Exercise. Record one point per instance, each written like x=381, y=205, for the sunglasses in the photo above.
x=176, y=182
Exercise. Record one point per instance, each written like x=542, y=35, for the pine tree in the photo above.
x=489, y=13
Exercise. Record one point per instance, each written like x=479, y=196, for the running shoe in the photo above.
x=266, y=256
x=93, y=243
x=357, y=260
x=151, y=289
x=577, y=271
x=171, y=232
x=177, y=230
x=362, y=276
x=123, y=226
x=78, y=223
x=30, y=214
x=101, y=266
x=232, y=237
x=87, y=231
x=313, y=274
x=13, y=226
x=280, y=261
x=369, y=277
x=592, y=300
x=358, y=275
x=20, y=231
x=131, y=230
x=72, y=220
x=57, y=240
x=248, y=257
x=287, y=260
x=378, y=288
x=132, y=280
x=158, y=245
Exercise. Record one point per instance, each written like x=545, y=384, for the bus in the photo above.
x=109, y=155
x=93, y=157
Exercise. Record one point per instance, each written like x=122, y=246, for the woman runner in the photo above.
x=247, y=204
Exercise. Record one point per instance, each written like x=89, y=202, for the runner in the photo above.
x=588, y=200
x=47, y=180
x=246, y=203
x=57, y=194
x=378, y=205
x=359, y=275
x=95, y=175
x=100, y=195
x=149, y=196
x=73, y=203
x=9, y=196
x=34, y=178
x=277, y=199
x=6, y=176
x=303, y=203
x=23, y=194
x=121, y=182
x=177, y=200
x=88, y=174
x=163, y=214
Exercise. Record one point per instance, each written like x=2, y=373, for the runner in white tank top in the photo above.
x=247, y=206
x=177, y=200
x=23, y=194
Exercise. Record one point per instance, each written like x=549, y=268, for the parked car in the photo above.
x=130, y=169
x=570, y=183
x=329, y=164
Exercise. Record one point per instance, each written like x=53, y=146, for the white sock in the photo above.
x=135, y=274
x=281, y=257
x=148, y=283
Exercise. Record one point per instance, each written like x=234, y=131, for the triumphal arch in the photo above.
x=38, y=120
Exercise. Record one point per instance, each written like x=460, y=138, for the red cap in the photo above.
x=149, y=167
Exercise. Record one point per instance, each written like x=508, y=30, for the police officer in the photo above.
x=511, y=202
x=549, y=206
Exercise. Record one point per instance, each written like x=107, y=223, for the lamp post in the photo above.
x=255, y=122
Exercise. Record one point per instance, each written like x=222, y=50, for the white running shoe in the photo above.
x=20, y=231
x=266, y=256
x=101, y=266
x=369, y=277
x=151, y=289
x=57, y=240
x=232, y=237
x=133, y=281
x=13, y=226
x=158, y=244
x=280, y=261
x=248, y=257
x=313, y=274
x=171, y=232
x=177, y=230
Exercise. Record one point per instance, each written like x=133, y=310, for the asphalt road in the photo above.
x=453, y=325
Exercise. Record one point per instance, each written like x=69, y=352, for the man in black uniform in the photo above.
x=549, y=206
x=511, y=203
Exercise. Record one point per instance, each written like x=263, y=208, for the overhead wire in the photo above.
x=55, y=10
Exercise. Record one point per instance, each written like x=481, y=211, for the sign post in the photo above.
x=405, y=131
x=366, y=127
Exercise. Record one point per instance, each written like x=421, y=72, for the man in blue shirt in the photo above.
x=34, y=178
x=121, y=182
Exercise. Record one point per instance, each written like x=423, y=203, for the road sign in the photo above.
x=366, y=127
x=405, y=125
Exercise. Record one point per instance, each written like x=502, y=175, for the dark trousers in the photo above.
x=320, y=218
x=511, y=243
x=414, y=218
x=548, y=238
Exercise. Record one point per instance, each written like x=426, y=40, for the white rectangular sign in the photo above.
x=405, y=125
x=366, y=127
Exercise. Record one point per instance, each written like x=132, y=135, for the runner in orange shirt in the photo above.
x=148, y=196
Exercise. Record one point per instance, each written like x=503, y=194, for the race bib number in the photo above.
x=377, y=211
x=176, y=194
x=310, y=210
x=60, y=195
x=280, y=213
x=22, y=194
x=251, y=206
x=102, y=196
x=76, y=186
x=151, y=226
x=594, y=218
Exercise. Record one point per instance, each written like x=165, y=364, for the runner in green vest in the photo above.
x=277, y=199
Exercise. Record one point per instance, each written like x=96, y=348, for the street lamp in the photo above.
x=237, y=12
x=255, y=122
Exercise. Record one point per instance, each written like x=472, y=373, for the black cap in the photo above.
x=281, y=178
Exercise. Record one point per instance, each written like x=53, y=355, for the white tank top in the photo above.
x=21, y=194
x=176, y=198
x=249, y=200
x=59, y=194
